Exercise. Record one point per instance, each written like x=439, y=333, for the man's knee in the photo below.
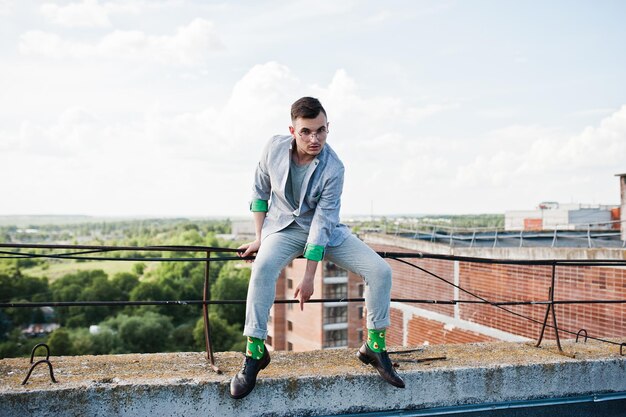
x=383, y=270
x=263, y=271
x=379, y=275
x=266, y=268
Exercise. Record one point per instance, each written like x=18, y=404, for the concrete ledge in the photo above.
x=310, y=383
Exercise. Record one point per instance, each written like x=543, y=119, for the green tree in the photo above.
x=85, y=286
x=82, y=342
x=106, y=341
x=146, y=334
x=16, y=345
x=5, y=325
x=100, y=289
x=59, y=343
x=139, y=268
x=15, y=285
x=69, y=288
x=183, y=338
x=231, y=284
x=152, y=291
x=125, y=282
x=224, y=336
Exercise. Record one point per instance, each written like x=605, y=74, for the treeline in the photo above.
x=466, y=221
x=127, y=232
x=441, y=223
x=124, y=329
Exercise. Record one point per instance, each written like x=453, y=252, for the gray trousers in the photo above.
x=279, y=249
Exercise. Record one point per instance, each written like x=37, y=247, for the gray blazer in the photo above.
x=320, y=199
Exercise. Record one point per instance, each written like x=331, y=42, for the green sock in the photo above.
x=376, y=340
x=255, y=348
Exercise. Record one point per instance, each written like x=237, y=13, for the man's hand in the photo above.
x=305, y=290
x=248, y=249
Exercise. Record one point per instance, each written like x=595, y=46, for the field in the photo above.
x=58, y=269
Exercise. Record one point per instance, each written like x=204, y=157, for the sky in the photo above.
x=162, y=107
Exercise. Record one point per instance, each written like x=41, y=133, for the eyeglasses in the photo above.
x=307, y=134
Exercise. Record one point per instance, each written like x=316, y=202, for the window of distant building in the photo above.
x=289, y=346
x=332, y=270
x=289, y=325
x=360, y=311
x=336, y=291
x=336, y=338
x=361, y=290
x=336, y=315
x=289, y=283
x=269, y=340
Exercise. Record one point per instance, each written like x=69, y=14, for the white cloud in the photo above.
x=76, y=133
x=538, y=163
x=190, y=45
x=344, y=97
x=201, y=162
x=6, y=7
x=606, y=143
x=214, y=149
x=88, y=13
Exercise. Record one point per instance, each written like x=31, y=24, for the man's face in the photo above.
x=310, y=134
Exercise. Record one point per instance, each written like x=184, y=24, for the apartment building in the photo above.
x=327, y=325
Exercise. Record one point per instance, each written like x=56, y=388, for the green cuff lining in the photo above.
x=258, y=205
x=314, y=252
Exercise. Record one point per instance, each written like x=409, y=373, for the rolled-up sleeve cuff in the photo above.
x=258, y=205
x=314, y=252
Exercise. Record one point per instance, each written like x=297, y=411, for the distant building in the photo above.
x=243, y=229
x=556, y=216
x=40, y=329
x=622, y=186
x=321, y=325
x=551, y=215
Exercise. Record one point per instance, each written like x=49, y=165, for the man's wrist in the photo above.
x=314, y=252
x=258, y=205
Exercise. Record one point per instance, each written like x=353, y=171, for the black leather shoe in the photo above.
x=381, y=362
x=243, y=383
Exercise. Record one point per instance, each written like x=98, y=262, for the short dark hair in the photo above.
x=306, y=108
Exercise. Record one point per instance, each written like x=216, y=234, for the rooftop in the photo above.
x=328, y=382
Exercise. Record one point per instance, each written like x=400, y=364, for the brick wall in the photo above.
x=394, y=332
x=508, y=283
x=489, y=281
x=409, y=282
x=425, y=331
x=505, y=283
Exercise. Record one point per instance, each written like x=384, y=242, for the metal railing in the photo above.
x=213, y=254
x=497, y=237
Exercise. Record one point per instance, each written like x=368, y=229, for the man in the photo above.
x=295, y=203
